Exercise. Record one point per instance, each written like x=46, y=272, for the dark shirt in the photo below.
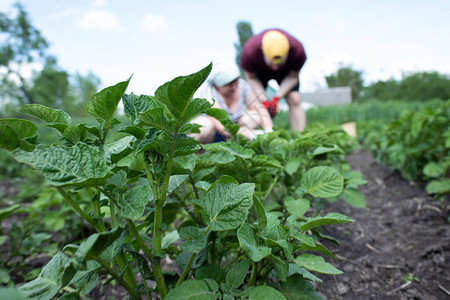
x=252, y=59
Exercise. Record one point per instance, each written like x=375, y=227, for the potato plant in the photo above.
x=238, y=219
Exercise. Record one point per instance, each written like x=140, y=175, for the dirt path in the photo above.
x=399, y=248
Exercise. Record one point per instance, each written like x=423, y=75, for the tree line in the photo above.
x=30, y=74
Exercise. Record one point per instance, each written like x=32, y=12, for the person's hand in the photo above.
x=266, y=104
x=273, y=106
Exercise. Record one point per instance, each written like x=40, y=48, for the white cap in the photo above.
x=223, y=74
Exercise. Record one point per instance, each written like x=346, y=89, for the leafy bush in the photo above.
x=417, y=144
x=240, y=220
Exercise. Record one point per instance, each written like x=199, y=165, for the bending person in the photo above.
x=275, y=54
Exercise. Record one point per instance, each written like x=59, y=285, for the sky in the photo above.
x=156, y=41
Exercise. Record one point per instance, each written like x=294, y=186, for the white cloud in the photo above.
x=342, y=25
x=99, y=3
x=99, y=19
x=153, y=22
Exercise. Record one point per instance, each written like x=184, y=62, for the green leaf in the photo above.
x=265, y=161
x=54, y=276
x=296, y=207
x=231, y=148
x=11, y=293
x=133, y=106
x=46, y=114
x=292, y=165
x=175, y=181
x=119, y=179
x=248, y=243
x=119, y=149
x=317, y=247
x=215, y=158
x=322, y=182
x=211, y=271
x=332, y=218
x=156, y=117
x=260, y=212
x=294, y=269
x=75, y=133
x=94, y=246
x=196, y=107
x=4, y=276
x=316, y=264
x=301, y=237
x=177, y=94
x=134, y=201
x=298, y=288
x=354, y=197
x=193, y=239
x=103, y=104
x=115, y=248
x=321, y=150
x=5, y=212
x=227, y=205
x=80, y=165
x=440, y=186
x=133, y=130
x=236, y=276
x=13, y=133
x=191, y=289
x=265, y=292
x=433, y=169
x=169, y=239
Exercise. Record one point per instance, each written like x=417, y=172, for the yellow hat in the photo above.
x=275, y=46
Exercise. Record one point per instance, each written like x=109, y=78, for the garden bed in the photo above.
x=399, y=246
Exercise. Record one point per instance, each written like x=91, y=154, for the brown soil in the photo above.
x=402, y=233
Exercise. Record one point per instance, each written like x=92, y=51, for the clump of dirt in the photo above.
x=399, y=246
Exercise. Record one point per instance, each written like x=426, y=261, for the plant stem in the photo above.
x=252, y=279
x=123, y=282
x=112, y=212
x=150, y=178
x=156, y=265
x=186, y=269
x=81, y=212
x=269, y=190
x=121, y=259
x=245, y=169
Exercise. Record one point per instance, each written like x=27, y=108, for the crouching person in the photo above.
x=232, y=94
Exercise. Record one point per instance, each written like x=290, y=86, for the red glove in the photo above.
x=273, y=108
x=266, y=104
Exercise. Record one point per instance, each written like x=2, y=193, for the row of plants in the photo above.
x=384, y=111
x=239, y=219
x=417, y=144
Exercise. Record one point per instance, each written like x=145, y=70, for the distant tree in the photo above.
x=245, y=32
x=21, y=45
x=23, y=48
x=347, y=76
x=413, y=86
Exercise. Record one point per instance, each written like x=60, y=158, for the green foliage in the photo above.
x=245, y=32
x=347, y=76
x=236, y=218
x=417, y=144
x=417, y=86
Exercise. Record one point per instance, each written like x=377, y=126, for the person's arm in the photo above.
x=288, y=83
x=266, y=120
x=256, y=86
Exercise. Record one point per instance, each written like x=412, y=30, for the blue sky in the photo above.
x=159, y=40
